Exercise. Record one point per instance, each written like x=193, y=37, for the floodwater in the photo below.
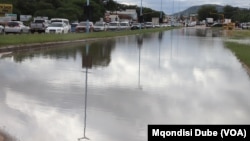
x=112, y=89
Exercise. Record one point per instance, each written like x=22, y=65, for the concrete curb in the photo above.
x=13, y=48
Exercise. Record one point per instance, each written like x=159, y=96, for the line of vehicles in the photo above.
x=62, y=26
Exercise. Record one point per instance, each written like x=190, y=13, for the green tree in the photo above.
x=148, y=14
x=207, y=12
x=242, y=16
x=50, y=13
x=111, y=5
x=236, y=14
x=70, y=13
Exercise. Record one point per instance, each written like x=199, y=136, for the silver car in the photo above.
x=16, y=27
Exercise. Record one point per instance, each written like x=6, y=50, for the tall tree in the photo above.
x=207, y=12
x=230, y=11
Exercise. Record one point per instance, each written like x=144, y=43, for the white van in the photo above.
x=66, y=21
x=124, y=25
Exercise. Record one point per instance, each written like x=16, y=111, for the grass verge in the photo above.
x=240, y=34
x=242, y=51
x=6, y=40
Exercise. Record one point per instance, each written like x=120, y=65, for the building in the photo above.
x=127, y=15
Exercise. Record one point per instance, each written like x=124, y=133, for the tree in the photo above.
x=111, y=5
x=72, y=9
x=230, y=11
x=148, y=14
x=207, y=12
x=237, y=14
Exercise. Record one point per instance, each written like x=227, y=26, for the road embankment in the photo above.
x=238, y=43
x=9, y=43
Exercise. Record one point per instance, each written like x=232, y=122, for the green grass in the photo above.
x=242, y=51
x=239, y=34
x=6, y=40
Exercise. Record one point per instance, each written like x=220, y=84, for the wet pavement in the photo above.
x=111, y=90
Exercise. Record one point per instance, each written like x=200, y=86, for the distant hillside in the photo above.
x=194, y=9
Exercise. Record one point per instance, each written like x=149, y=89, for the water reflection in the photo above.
x=100, y=51
x=200, y=82
x=203, y=32
x=160, y=36
x=139, y=45
x=87, y=64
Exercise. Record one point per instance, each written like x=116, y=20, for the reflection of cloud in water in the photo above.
x=42, y=122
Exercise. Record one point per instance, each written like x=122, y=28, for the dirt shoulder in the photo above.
x=246, y=68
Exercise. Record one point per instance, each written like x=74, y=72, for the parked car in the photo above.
x=73, y=27
x=1, y=29
x=245, y=25
x=217, y=25
x=82, y=27
x=39, y=25
x=135, y=26
x=16, y=27
x=192, y=24
x=149, y=25
x=124, y=25
x=114, y=26
x=165, y=25
x=66, y=21
x=57, y=27
x=157, y=25
x=100, y=26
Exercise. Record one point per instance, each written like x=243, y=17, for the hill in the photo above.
x=194, y=9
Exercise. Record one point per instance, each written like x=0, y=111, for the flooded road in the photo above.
x=112, y=89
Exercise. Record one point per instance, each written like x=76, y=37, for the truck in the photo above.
x=39, y=25
x=155, y=21
x=209, y=21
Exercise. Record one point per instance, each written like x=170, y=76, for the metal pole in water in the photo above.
x=85, y=102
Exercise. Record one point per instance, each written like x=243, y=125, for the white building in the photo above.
x=127, y=15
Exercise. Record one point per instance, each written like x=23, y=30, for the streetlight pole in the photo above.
x=161, y=11
x=173, y=15
x=88, y=16
x=141, y=14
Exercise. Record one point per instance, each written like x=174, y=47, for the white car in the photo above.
x=114, y=26
x=192, y=24
x=149, y=25
x=16, y=27
x=100, y=26
x=245, y=26
x=66, y=21
x=57, y=27
x=124, y=25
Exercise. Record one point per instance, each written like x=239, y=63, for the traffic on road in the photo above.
x=63, y=26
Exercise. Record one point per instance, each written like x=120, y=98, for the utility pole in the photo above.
x=141, y=15
x=172, y=23
x=161, y=13
x=88, y=16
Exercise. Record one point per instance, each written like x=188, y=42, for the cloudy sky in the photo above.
x=172, y=6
